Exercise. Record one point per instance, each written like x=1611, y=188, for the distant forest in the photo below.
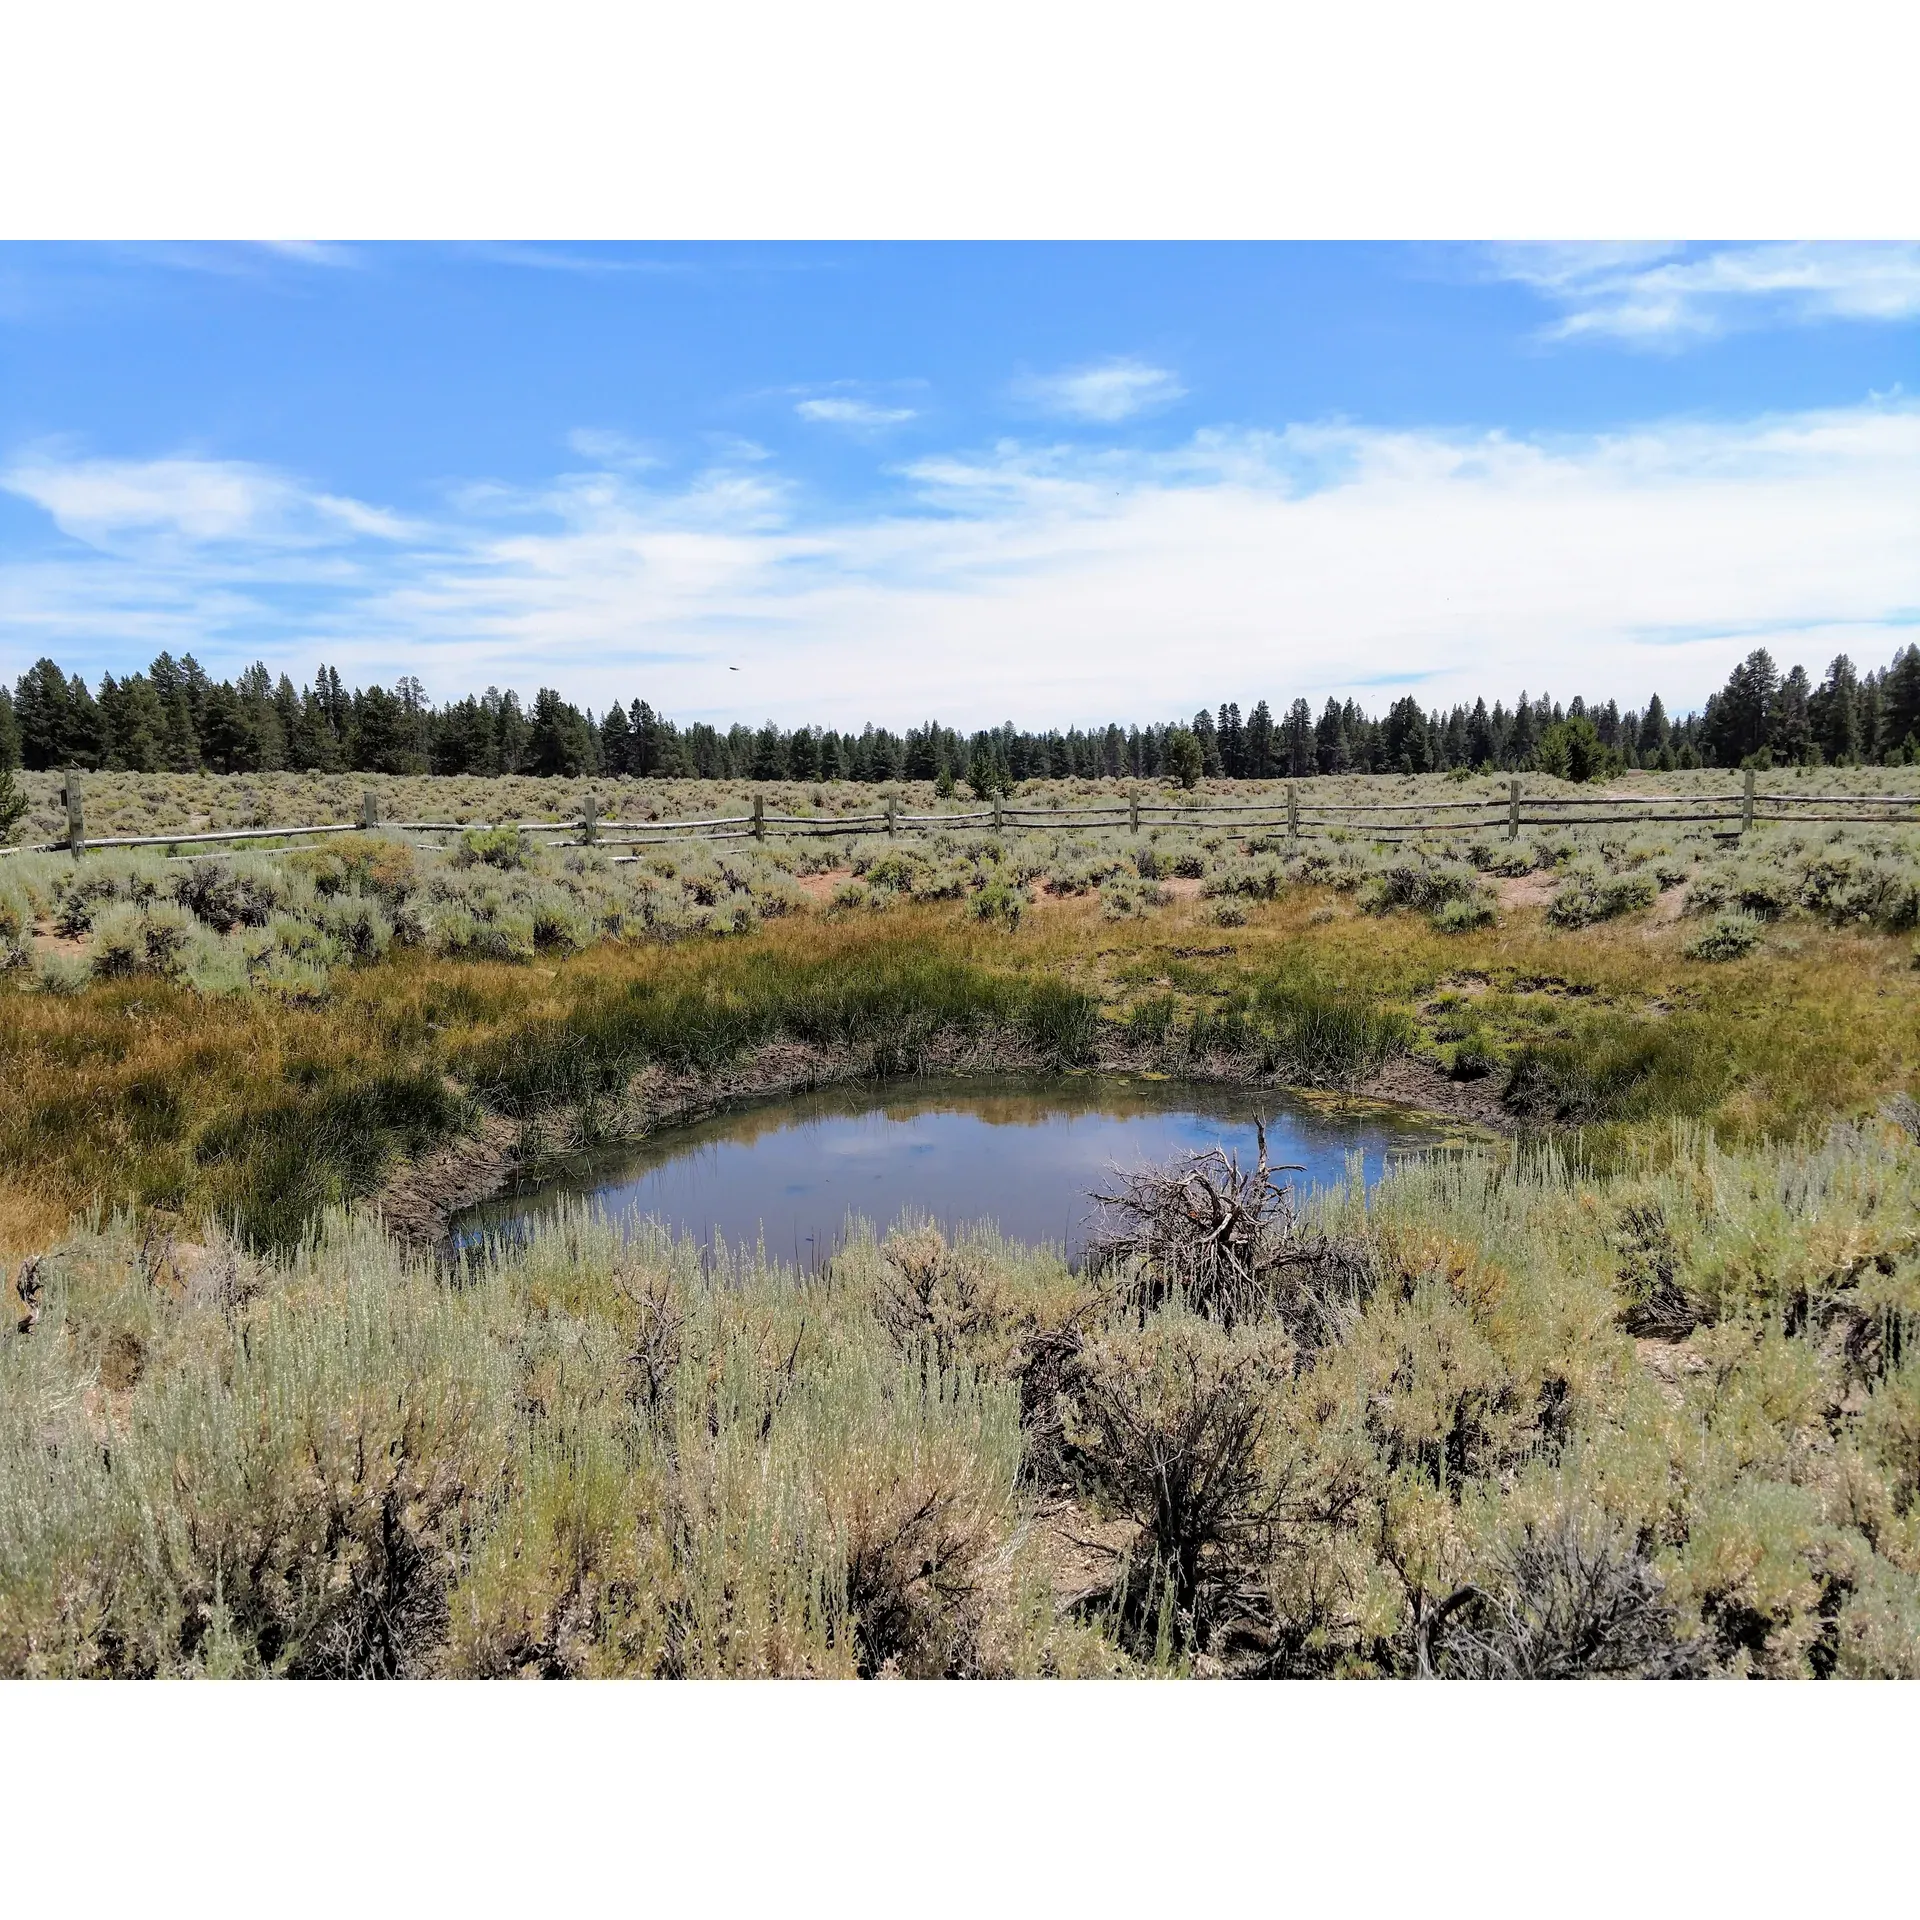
x=174, y=718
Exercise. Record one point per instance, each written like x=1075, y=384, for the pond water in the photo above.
x=1024, y=1154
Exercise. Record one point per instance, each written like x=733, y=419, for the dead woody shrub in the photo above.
x=1568, y=1599
x=1231, y=1244
x=654, y=1358
x=1169, y=1426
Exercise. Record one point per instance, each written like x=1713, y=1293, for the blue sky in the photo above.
x=1053, y=483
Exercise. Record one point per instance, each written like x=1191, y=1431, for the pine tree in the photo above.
x=1233, y=742
x=1208, y=736
x=1482, y=748
x=1297, y=755
x=1739, y=718
x=136, y=724
x=1790, y=732
x=1522, y=734
x=1833, y=713
x=41, y=705
x=227, y=740
x=556, y=738
x=1655, y=734
x=1900, y=703
x=1330, y=740
x=616, y=741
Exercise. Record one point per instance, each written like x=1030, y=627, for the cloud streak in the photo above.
x=1669, y=297
x=862, y=415
x=1052, y=583
x=1112, y=391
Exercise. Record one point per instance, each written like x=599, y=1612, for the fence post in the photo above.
x=369, y=809
x=893, y=805
x=590, y=821
x=1746, y=803
x=996, y=813
x=1513, y=809
x=76, y=820
x=1293, y=811
x=759, y=816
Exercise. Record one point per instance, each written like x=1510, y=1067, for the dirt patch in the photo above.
x=821, y=887
x=1411, y=1082
x=43, y=939
x=1526, y=890
x=1670, y=1362
x=1077, y=1551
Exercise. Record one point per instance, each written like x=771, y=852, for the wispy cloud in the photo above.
x=1112, y=391
x=841, y=411
x=611, y=448
x=187, y=500
x=1669, y=297
x=1050, y=582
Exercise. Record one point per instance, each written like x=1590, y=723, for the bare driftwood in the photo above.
x=1230, y=1242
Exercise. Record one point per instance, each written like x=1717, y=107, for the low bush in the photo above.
x=1732, y=936
x=1589, y=893
x=1465, y=915
x=502, y=848
x=1420, y=884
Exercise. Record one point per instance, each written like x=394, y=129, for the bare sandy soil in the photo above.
x=821, y=887
x=1526, y=890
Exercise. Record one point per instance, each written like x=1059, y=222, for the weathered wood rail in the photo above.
x=1296, y=813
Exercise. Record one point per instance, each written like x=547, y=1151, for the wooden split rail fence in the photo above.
x=1728, y=815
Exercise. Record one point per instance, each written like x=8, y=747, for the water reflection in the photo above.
x=1022, y=1153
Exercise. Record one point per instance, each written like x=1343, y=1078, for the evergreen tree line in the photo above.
x=175, y=718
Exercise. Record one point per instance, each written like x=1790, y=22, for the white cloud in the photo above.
x=191, y=501
x=199, y=499
x=1112, y=391
x=1045, y=583
x=141, y=505
x=840, y=411
x=1667, y=296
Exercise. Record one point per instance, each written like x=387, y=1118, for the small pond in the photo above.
x=1024, y=1154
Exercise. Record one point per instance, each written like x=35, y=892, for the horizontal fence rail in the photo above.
x=1296, y=813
